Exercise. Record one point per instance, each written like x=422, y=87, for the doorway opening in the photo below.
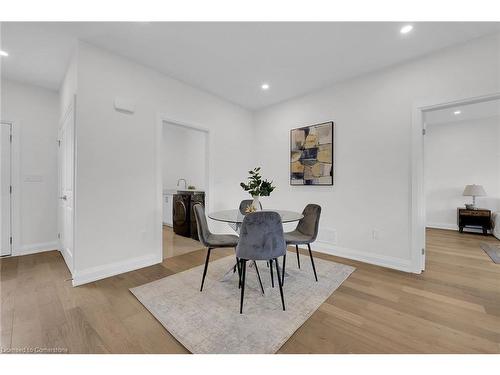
x=5, y=188
x=185, y=182
x=456, y=151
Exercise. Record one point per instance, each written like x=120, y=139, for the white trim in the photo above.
x=35, y=248
x=161, y=118
x=9, y=249
x=15, y=178
x=363, y=256
x=75, y=187
x=442, y=226
x=68, y=256
x=71, y=106
x=417, y=193
x=101, y=272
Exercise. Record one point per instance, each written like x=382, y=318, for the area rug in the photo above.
x=210, y=322
x=492, y=250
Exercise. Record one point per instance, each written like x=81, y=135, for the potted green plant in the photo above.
x=257, y=187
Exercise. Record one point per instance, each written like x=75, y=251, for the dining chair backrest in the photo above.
x=201, y=223
x=245, y=203
x=309, y=224
x=261, y=236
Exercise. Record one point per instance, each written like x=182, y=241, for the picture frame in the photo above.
x=312, y=155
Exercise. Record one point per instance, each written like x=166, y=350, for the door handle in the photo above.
x=64, y=197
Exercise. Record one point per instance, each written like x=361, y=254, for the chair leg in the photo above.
x=243, y=274
x=298, y=257
x=258, y=276
x=205, y=270
x=238, y=267
x=283, y=276
x=280, y=284
x=271, y=268
x=312, y=261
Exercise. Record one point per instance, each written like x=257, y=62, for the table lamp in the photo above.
x=473, y=191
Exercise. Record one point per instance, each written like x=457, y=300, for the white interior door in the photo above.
x=5, y=189
x=66, y=144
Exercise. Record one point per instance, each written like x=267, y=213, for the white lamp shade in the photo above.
x=474, y=191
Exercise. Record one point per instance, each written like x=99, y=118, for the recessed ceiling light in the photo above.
x=3, y=53
x=265, y=86
x=457, y=112
x=406, y=29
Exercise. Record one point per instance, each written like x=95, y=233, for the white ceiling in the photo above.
x=468, y=112
x=232, y=60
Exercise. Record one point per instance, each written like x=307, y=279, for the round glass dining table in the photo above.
x=236, y=217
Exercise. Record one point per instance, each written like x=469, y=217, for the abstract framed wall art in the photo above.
x=311, y=155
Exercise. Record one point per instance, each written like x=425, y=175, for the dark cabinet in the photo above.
x=474, y=218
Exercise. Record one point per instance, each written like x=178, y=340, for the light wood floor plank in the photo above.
x=453, y=307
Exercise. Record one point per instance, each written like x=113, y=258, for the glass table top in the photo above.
x=235, y=216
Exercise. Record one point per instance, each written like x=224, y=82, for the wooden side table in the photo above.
x=474, y=218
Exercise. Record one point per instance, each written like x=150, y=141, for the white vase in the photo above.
x=256, y=203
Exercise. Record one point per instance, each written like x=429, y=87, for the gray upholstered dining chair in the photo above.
x=210, y=240
x=261, y=238
x=305, y=233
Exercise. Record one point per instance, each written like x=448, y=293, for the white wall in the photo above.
x=35, y=112
x=372, y=116
x=457, y=154
x=118, y=171
x=184, y=155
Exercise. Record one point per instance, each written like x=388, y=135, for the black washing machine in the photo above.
x=195, y=199
x=181, y=214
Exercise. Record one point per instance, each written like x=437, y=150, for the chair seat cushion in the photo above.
x=297, y=238
x=222, y=240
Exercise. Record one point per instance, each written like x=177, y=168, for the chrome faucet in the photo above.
x=185, y=183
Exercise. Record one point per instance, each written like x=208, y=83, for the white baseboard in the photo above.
x=35, y=248
x=101, y=272
x=453, y=227
x=364, y=256
x=68, y=258
x=442, y=226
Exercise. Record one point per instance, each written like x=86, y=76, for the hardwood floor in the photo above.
x=174, y=245
x=453, y=307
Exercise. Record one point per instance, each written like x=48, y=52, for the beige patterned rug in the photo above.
x=209, y=321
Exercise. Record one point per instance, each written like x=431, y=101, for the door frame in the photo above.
x=70, y=108
x=15, y=223
x=161, y=119
x=417, y=181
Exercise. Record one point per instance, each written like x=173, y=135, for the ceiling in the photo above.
x=232, y=60
x=476, y=111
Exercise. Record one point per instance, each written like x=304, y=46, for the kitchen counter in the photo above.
x=180, y=191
